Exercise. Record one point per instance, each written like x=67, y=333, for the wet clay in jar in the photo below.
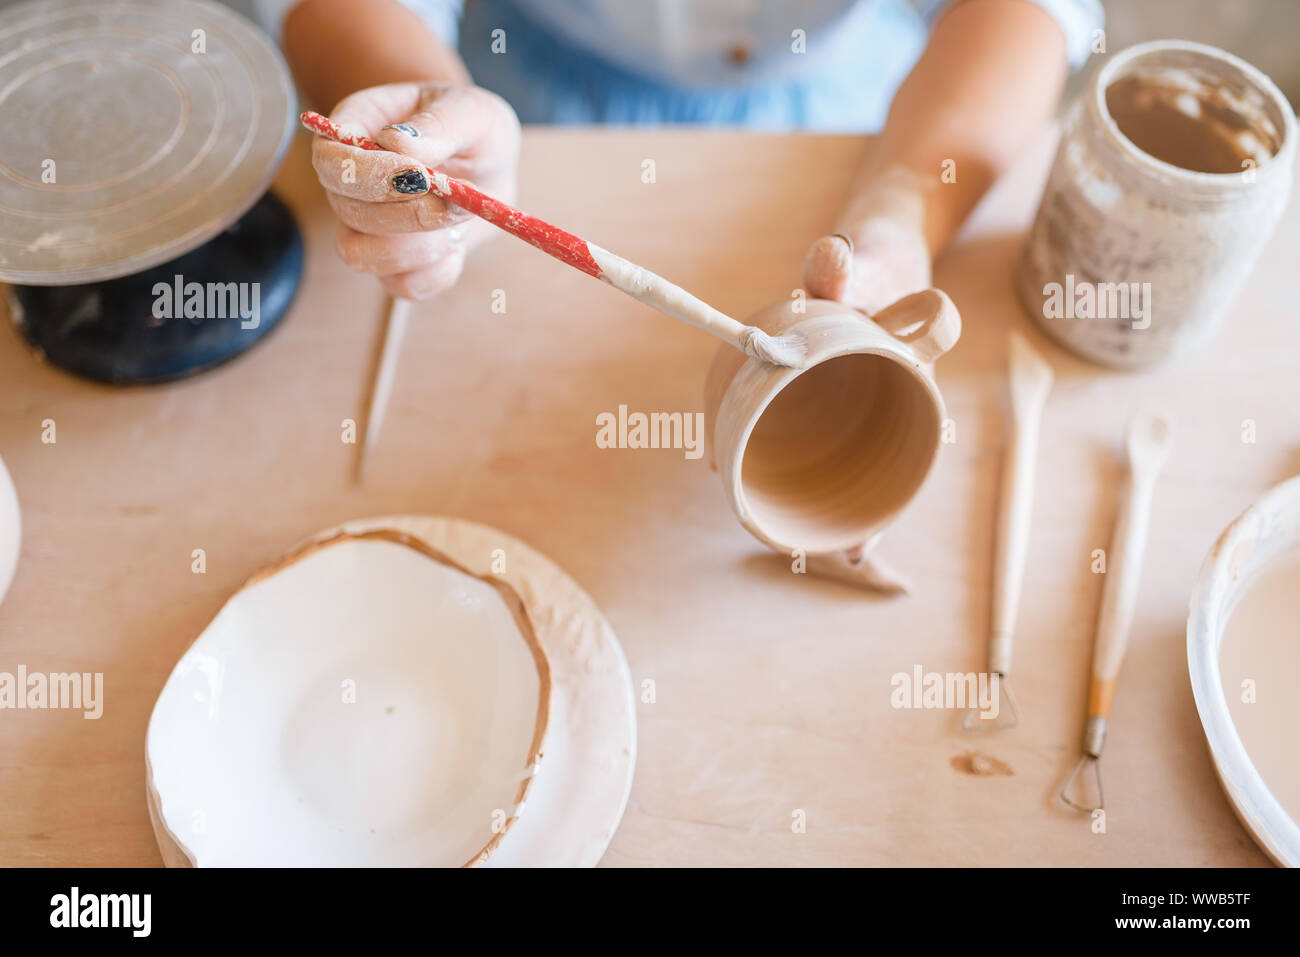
x=1185, y=123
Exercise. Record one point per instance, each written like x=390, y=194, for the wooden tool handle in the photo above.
x=1030, y=380
x=1119, y=593
x=1012, y=532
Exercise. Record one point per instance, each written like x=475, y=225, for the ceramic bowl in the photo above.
x=1264, y=533
x=364, y=701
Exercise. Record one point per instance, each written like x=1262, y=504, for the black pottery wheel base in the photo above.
x=233, y=290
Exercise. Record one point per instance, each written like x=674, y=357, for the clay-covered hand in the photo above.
x=868, y=266
x=391, y=224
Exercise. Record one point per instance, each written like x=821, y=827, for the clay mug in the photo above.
x=817, y=461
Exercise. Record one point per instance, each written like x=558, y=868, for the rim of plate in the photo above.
x=1218, y=586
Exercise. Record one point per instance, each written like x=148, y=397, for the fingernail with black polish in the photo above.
x=406, y=128
x=410, y=181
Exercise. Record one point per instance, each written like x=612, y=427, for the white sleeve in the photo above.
x=1080, y=20
x=442, y=16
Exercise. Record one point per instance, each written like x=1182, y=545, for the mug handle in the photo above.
x=927, y=321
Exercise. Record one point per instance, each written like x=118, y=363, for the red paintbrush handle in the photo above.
x=551, y=240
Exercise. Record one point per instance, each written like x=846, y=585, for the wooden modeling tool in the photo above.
x=639, y=283
x=1031, y=380
x=1149, y=438
x=384, y=375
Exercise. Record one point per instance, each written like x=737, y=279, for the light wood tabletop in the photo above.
x=771, y=691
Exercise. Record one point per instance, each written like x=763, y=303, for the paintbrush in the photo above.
x=651, y=289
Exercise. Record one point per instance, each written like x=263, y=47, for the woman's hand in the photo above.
x=390, y=224
x=985, y=87
x=868, y=266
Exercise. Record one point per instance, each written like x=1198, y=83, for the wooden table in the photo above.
x=771, y=691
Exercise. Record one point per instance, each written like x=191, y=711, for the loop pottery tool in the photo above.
x=628, y=277
x=1149, y=438
x=1031, y=379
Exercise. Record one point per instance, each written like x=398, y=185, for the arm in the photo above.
x=336, y=47
x=988, y=81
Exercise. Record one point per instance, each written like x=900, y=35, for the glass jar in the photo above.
x=1133, y=259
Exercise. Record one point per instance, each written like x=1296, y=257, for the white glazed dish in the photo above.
x=11, y=530
x=1265, y=532
x=432, y=761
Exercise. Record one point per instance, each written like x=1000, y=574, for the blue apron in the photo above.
x=549, y=80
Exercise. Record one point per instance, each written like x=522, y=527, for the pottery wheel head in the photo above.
x=133, y=132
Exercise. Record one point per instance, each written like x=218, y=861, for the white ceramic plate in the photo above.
x=1267, y=530
x=256, y=757
x=11, y=530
